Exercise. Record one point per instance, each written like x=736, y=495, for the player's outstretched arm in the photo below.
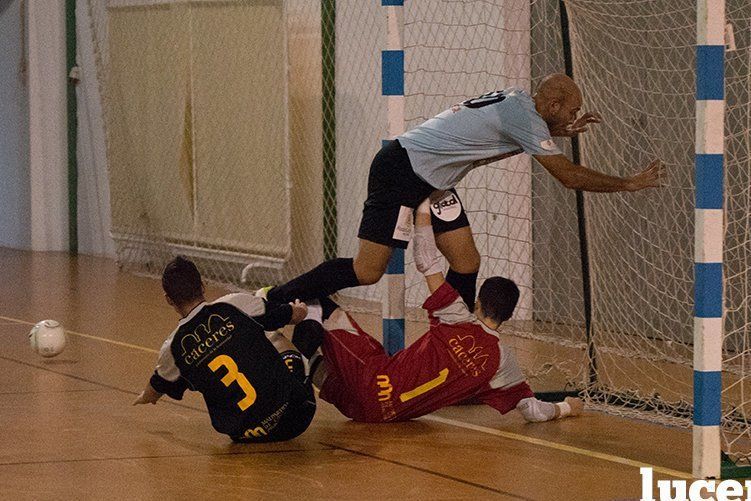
x=578, y=177
x=428, y=259
x=148, y=396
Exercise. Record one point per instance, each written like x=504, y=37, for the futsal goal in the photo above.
x=240, y=133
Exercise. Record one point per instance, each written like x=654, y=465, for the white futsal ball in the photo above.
x=47, y=338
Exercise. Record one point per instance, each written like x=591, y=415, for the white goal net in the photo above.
x=241, y=132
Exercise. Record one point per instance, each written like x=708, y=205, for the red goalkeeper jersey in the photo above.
x=458, y=359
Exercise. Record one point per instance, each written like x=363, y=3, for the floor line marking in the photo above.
x=561, y=447
x=482, y=429
x=168, y=456
x=176, y=403
x=429, y=472
x=88, y=336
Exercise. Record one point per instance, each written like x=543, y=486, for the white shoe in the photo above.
x=263, y=291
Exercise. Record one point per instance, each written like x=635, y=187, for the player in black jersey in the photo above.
x=253, y=392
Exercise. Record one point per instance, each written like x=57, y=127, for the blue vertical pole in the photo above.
x=709, y=234
x=392, y=85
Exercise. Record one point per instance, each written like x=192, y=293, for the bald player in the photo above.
x=432, y=158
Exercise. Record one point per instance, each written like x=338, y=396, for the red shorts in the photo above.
x=352, y=358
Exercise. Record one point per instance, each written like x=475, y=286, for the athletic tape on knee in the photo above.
x=428, y=259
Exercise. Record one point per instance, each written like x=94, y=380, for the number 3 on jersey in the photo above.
x=233, y=375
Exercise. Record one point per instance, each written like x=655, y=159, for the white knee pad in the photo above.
x=535, y=411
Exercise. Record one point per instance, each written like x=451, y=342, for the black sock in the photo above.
x=465, y=284
x=328, y=306
x=323, y=280
x=308, y=337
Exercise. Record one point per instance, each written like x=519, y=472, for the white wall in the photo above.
x=48, y=134
x=15, y=206
x=94, y=219
x=48, y=185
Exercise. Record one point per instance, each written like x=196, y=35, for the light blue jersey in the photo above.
x=476, y=132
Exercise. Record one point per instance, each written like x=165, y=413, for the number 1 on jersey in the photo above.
x=233, y=375
x=424, y=388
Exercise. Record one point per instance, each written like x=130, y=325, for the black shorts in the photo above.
x=295, y=420
x=297, y=414
x=394, y=190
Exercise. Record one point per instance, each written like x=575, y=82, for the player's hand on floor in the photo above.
x=148, y=396
x=651, y=177
x=143, y=398
x=577, y=405
x=299, y=312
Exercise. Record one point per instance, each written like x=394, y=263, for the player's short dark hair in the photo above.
x=181, y=281
x=498, y=297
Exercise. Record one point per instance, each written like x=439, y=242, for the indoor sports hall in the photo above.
x=240, y=133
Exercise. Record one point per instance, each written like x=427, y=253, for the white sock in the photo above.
x=315, y=311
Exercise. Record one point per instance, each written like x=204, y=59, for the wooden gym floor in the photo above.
x=68, y=430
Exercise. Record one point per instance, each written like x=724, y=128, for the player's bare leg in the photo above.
x=464, y=261
x=280, y=342
x=371, y=261
x=460, y=250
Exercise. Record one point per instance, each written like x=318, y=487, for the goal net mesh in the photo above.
x=240, y=133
